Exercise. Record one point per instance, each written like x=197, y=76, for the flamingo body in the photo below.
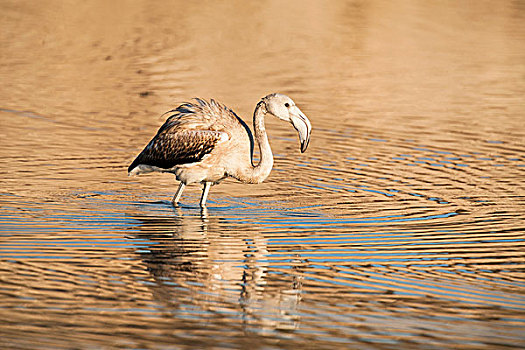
x=205, y=142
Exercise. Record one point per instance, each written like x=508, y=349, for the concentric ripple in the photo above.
x=401, y=227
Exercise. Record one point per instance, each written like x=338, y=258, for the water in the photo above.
x=401, y=227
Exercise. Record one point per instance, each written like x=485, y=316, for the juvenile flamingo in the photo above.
x=205, y=141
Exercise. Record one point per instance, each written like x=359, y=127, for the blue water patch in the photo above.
x=377, y=140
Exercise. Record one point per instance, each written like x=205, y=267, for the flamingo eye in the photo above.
x=287, y=105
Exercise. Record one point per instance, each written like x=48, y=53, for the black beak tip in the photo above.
x=304, y=146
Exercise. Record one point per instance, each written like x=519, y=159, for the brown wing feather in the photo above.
x=187, y=136
x=169, y=149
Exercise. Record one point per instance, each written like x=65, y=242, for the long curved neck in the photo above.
x=258, y=173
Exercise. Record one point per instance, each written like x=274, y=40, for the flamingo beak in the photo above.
x=301, y=123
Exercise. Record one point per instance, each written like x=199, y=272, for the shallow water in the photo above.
x=401, y=227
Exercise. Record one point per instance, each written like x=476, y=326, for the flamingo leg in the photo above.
x=178, y=194
x=205, y=192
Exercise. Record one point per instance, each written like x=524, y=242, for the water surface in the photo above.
x=401, y=226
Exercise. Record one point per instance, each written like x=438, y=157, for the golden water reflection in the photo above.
x=401, y=227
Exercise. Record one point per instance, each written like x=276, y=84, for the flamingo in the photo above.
x=205, y=142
